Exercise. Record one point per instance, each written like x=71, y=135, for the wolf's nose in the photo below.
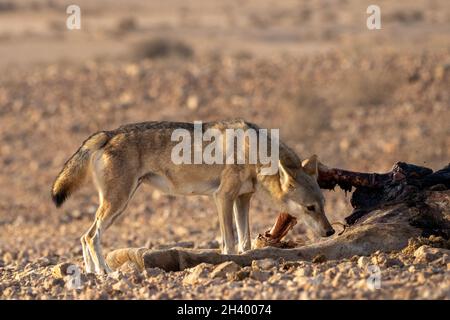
x=330, y=232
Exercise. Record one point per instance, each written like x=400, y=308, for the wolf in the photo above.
x=120, y=160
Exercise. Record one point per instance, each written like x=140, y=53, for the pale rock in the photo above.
x=354, y=272
x=344, y=266
x=421, y=279
x=361, y=284
x=129, y=267
x=426, y=254
x=238, y=276
x=152, y=272
x=337, y=280
x=302, y=280
x=305, y=271
x=115, y=275
x=260, y=275
x=63, y=269
x=330, y=273
x=226, y=267
x=363, y=262
x=379, y=259
x=264, y=264
x=320, y=258
x=197, y=274
x=122, y=285
x=192, y=102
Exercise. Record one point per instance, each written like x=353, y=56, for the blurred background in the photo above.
x=361, y=99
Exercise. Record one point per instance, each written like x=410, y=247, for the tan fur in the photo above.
x=76, y=168
x=122, y=159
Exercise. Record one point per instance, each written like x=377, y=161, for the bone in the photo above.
x=273, y=237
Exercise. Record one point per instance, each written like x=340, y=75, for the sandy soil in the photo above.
x=357, y=105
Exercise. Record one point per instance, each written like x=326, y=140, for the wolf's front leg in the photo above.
x=241, y=215
x=225, y=210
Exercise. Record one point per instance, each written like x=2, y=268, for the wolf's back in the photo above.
x=76, y=168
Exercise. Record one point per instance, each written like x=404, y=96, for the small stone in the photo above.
x=8, y=292
x=131, y=69
x=361, y=284
x=302, y=280
x=354, y=273
x=304, y=271
x=320, y=258
x=122, y=285
x=426, y=254
x=238, y=276
x=76, y=214
x=8, y=258
x=44, y=262
x=391, y=262
x=330, y=273
x=260, y=275
x=197, y=274
x=222, y=269
x=130, y=267
x=156, y=195
x=345, y=266
x=264, y=264
x=63, y=269
x=337, y=280
x=152, y=272
x=363, y=262
x=379, y=259
x=192, y=102
x=277, y=277
x=116, y=275
x=421, y=279
x=58, y=282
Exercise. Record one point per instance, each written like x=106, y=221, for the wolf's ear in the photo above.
x=311, y=166
x=285, y=177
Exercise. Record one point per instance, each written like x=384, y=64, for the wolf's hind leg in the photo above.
x=113, y=204
x=96, y=249
x=241, y=216
x=88, y=262
x=116, y=191
x=106, y=214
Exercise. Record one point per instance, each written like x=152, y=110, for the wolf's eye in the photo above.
x=311, y=208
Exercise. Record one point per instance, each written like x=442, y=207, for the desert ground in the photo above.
x=359, y=99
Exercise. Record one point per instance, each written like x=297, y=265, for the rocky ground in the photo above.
x=418, y=272
x=361, y=103
x=47, y=112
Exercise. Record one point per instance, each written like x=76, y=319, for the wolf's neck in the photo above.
x=270, y=184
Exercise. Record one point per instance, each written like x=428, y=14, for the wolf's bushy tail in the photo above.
x=76, y=168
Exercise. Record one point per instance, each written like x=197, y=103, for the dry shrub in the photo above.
x=243, y=55
x=7, y=6
x=162, y=48
x=370, y=88
x=410, y=16
x=128, y=24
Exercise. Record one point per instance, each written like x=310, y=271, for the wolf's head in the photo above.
x=301, y=195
